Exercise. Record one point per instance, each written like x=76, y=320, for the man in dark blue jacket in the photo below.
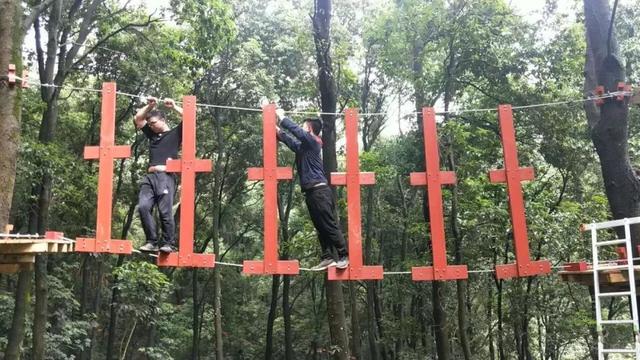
x=307, y=145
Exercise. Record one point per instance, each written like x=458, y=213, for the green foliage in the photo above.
x=388, y=56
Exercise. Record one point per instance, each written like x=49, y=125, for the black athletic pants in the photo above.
x=158, y=188
x=321, y=206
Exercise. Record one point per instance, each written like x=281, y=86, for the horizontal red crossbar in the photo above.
x=364, y=178
x=198, y=165
x=521, y=174
x=260, y=267
x=112, y=246
x=442, y=177
x=281, y=173
x=529, y=268
x=364, y=272
x=449, y=272
x=187, y=260
x=106, y=151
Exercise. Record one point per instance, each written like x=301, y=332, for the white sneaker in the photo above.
x=342, y=263
x=324, y=264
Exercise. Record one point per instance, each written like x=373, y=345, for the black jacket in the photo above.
x=308, y=149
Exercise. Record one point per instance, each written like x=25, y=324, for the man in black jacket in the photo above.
x=307, y=146
x=158, y=187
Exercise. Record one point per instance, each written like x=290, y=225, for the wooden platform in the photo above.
x=609, y=279
x=18, y=252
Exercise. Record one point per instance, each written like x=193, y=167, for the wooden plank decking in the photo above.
x=18, y=252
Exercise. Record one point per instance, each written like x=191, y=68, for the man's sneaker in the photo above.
x=325, y=263
x=149, y=247
x=167, y=249
x=342, y=263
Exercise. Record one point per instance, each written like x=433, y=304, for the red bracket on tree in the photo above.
x=25, y=78
x=11, y=75
x=513, y=174
x=622, y=254
x=599, y=91
x=433, y=179
x=270, y=173
x=353, y=178
x=188, y=165
x=106, y=152
x=53, y=235
x=626, y=88
x=575, y=266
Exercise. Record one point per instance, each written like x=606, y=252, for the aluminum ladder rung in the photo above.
x=617, y=293
x=625, y=321
x=611, y=267
x=611, y=242
x=619, y=351
x=598, y=270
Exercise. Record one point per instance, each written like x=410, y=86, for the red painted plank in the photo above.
x=106, y=152
x=353, y=179
x=270, y=174
x=188, y=165
x=433, y=179
x=513, y=174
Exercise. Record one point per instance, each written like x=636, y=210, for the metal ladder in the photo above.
x=631, y=293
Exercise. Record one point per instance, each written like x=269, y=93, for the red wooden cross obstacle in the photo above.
x=106, y=152
x=353, y=178
x=188, y=166
x=270, y=173
x=433, y=179
x=513, y=174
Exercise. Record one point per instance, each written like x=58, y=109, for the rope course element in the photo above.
x=302, y=269
x=607, y=95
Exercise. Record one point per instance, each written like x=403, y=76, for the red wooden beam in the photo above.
x=433, y=179
x=270, y=173
x=353, y=178
x=106, y=152
x=188, y=165
x=513, y=174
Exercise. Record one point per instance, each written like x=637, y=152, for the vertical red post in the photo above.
x=188, y=165
x=106, y=152
x=270, y=173
x=513, y=174
x=353, y=178
x=433, y=179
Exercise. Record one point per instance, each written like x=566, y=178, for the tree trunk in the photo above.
x=217, y=283
x=609, y=123
x=286, y=313
x=328, y=99
x=97, y=300
x=16, y=333
x=286, y=280
x=440, y=321
x=40, y=313
x=11, y=37
x=356, y=349
x=271, y=318
x=195, y=325
x=113, y=315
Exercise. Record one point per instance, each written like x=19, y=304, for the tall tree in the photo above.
x=12, y=31
x=321, y=21
x=608, y=124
